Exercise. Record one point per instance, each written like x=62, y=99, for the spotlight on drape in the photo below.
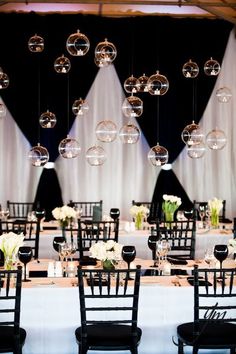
x=77, y=44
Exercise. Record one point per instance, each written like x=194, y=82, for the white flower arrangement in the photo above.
x=64, y=214
x=141, y=210
x=215, y=205
x=109, y=250
x=170, y=203
x=232, y=246
x=10, y=243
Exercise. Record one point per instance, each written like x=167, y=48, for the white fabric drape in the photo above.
x=126, y=174
x=18, y=178
x=214, y=175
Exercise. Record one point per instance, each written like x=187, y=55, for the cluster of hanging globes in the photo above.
x=78, y=44
x=192, y=135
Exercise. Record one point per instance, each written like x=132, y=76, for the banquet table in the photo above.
x=205, y=238
x=50, y=313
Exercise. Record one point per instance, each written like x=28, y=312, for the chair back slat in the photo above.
x=30, y=229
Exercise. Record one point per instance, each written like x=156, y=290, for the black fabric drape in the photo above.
x=144, y=45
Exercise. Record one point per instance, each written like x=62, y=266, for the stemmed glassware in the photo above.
x=128, y=254
x=202, y=214
x=221, y=253
x=114, y=213
x=209, y=257
x=4, y=213
x=25, y=255
x=188, y=214
x=163, y=247
x=152, y=244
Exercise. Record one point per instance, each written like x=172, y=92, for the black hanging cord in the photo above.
x=68, y=103
x=39, y=96
x=158, y=119
x=194, y=98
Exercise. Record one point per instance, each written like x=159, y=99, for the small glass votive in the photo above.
x=71, y=270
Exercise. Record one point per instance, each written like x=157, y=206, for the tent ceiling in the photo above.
x=224, y=9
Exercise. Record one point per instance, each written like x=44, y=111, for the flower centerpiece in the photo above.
x=64, y=215
x=107, y=252
x=215, y=205
x=170, y=205
x=9, y=245
x=139, y=212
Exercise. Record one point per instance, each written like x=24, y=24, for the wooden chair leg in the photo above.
x=195, y=350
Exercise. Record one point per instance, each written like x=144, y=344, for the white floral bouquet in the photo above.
x=109, y=250
x=64, y=215
x=170, y=205
x=232, y=246
x=215, y=205
x=141, y=210
x=9, y=245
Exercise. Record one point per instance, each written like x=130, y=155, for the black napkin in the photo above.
x=38, y=273
x=177, y=261
x=85, y=261
x=202, y=282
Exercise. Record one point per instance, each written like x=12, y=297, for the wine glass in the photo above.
x=57, y=241
x=202, y=213
x=114, y=213
x=188, y=214
x=25, y=255
x=209, y=257
x=4, y=213
x=128, y=254
x=40, y=213
x=163, y=247
x=152, y=244
x=221, y=253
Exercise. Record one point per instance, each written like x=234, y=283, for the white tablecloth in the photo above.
x=139, y=239
x=50, y=316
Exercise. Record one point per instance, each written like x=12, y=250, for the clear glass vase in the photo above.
x=169, y=216
x=10, y=262
x=139, y=221
x=108, y=264
x=215, y=219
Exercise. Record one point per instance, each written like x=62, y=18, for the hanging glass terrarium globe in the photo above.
x=223, y=94
x=80, y=107
x=143, y=81
x=36, y=44
x=157, y=84
x=47, y=120
x=131, y=85
x=158, y=155
x=4, y=79
x=211, y=67
x=216, y=139
x=77, y=44
x=195, y=151
x=196, y=136
x=3, y=110
x=62, y=65
x=186, y=133
x=132, y=107
x=190, y=69
x=106, y=131
x=129, y=134
x=105, y=53
x=69, y=148
x=38, y=155
x=96, y=155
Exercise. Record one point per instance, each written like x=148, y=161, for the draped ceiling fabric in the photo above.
x=144, y=45
x=214, y=175
x=17, y=177
x=126, y=174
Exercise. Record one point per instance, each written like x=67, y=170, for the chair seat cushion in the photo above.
x=109, y=336
x=7, y=336
x=212, y=334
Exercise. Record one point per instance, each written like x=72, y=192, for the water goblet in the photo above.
x=221, y=253
x=209, y=257
x=188, y=214
x=57, y=241
x=202, y=213
x=4, y=213
x=152, y=244
x=25, y=255
x=128, y=254
x=114, y=213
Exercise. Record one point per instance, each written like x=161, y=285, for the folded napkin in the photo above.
x=85, y=261
x=202, y=282
x=177, y=261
